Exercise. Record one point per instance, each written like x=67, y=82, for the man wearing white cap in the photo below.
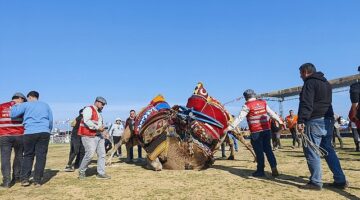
x=92, y=131
x=11, y=136
x=116, y=131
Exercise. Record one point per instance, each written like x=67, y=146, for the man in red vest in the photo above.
x=92, y=135
x=257, y=113
x=11, y=132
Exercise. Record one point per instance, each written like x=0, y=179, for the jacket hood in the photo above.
x=318, y=76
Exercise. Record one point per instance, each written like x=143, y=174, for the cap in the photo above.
x=21, y=95
x=101, y=99
x=249, y=93
x=118, y=119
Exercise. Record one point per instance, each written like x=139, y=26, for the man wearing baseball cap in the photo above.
x=257, y=113
x=92, y=135
x=11, y=132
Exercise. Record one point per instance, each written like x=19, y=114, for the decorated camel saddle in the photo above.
x=211, y=130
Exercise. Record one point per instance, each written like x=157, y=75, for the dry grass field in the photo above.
x=225, y=180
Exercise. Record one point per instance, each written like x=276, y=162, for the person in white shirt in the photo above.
x=116, y=131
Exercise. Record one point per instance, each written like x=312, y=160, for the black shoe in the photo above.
x=25, y=183
x=275, y=172
x=6, y=185
x=103, y=177
x=15, y=180
x=37, y=184
x=69, y=168
x=258, y=174
x=341, y=186
x=311, y=186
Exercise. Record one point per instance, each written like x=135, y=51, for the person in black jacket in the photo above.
x=316, y=118
x=130, y=122
x=76, y=147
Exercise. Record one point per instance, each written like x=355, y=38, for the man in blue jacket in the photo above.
x=38, y=123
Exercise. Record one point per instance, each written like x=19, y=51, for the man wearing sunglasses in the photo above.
x=93, y=138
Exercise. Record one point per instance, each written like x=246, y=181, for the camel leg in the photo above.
x=248, y=146
x=112, y=152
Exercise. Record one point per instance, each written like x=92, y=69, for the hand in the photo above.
x=101, y=129
x=301, y=128
x=106, y=135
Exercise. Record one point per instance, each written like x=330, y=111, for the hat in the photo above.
x=21, y=95
x=249, y=93
x=101, y=99
x=118, y=119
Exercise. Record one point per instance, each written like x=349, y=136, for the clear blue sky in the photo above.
x=129, y=51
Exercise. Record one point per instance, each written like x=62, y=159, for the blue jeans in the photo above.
x=261, y=142
x=320, y=132
x=236, y=144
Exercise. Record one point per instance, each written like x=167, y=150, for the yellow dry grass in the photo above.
x=225, y=180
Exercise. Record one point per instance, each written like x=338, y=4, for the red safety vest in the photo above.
x=9, y=126
x=257, y=118
x=85, y=130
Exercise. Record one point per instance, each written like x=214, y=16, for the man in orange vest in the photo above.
x=11, y=136
x=92, y=135
x=257, y=113
x=291, y=123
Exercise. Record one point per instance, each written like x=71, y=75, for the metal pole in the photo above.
x=281, y=107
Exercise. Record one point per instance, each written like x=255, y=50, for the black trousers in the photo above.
x=294, y=136
x=108, y=145
x=131, y=153
x=117, y=140
x=77, y=151
x=35, y=145
x=7, y=144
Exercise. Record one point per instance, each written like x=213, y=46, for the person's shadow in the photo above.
x=282, y=179
x=49, y=174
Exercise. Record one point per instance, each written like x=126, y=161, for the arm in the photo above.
x=354, y=108
x=243, y=113
x=17, y=110
x=87, y=113
x=51, y=120
x=273, y=115
x=306, y=105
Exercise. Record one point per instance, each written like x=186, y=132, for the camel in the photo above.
x=181, y=137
